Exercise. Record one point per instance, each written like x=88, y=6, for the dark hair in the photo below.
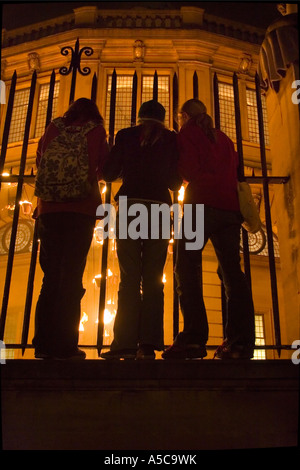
x=152, y=110
x=83, y=110
x=196, y=110
x=151, y=118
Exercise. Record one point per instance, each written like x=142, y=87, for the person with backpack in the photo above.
x=145, y=158
x=209, y=163
x=70, y=159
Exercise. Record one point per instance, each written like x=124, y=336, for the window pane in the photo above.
x=253, y=119
x=42, y=107
x=259, y=337
x=124, y=98
x=227, y=114
x=163, y=92
x=123, y=102
x=18, y=119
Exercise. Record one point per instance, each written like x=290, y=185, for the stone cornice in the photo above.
x=186, y=18
x=183, y=45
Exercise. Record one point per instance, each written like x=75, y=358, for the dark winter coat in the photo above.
x=147, y=172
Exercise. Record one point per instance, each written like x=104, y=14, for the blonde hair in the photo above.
x=197, y=111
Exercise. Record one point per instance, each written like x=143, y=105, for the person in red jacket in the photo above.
x=209, y=163
x=65, y=230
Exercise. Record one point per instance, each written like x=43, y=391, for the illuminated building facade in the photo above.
x=194, y=47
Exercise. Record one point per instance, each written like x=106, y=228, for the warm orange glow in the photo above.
x=96, y=280
x=6, y=174
x=26, y=207
x=181, y=194
x=83, y=320
x=108, y=316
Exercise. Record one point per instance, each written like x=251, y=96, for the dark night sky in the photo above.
x=260, y=14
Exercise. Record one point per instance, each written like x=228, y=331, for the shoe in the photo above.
x=119, y=354
x=77, y=354
x=234, y=351
x=188, y=351
x=42, y=355
x=145, y=351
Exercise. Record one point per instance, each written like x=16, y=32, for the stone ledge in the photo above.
x=180, y=405
x=158, y=374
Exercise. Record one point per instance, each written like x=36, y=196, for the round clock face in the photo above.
x=256, y=242
x=23, y=237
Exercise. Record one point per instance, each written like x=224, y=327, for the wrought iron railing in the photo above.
x=22, y=178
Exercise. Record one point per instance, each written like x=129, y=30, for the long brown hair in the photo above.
x=152, y=131
x=197, y=111
x=151, y=118
x=83, y=110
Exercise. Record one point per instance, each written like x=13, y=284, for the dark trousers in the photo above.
x=139, y=318
x=223, y=229
x=65, y=239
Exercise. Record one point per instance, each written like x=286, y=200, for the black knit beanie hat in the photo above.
x=152, y=110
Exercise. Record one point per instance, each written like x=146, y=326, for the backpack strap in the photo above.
x=59, y=123
x=89, y=126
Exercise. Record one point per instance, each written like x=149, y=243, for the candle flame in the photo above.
x=83, y=320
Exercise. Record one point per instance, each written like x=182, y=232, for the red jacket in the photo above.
x=98, y=153
x=209, y=168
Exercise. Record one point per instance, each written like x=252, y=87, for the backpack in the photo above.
x=63, y=173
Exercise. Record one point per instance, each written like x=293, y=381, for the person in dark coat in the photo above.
x=145, y=157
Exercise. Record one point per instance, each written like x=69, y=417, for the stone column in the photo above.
x=279, y=53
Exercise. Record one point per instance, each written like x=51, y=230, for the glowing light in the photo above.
x=5, y=173
x=181, y=193
x=26, y=207
x=104, y=190
x=108, y=316
x=83, y=320
x=164, y=279
x=97, y=279
x=98, y=234
x=109, y=273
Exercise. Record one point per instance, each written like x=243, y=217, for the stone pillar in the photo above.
x=285, y=150
x=186, y=70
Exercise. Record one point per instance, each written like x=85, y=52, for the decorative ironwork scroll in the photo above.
x=75, y=64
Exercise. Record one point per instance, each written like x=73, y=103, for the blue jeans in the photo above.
x=223, y=229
